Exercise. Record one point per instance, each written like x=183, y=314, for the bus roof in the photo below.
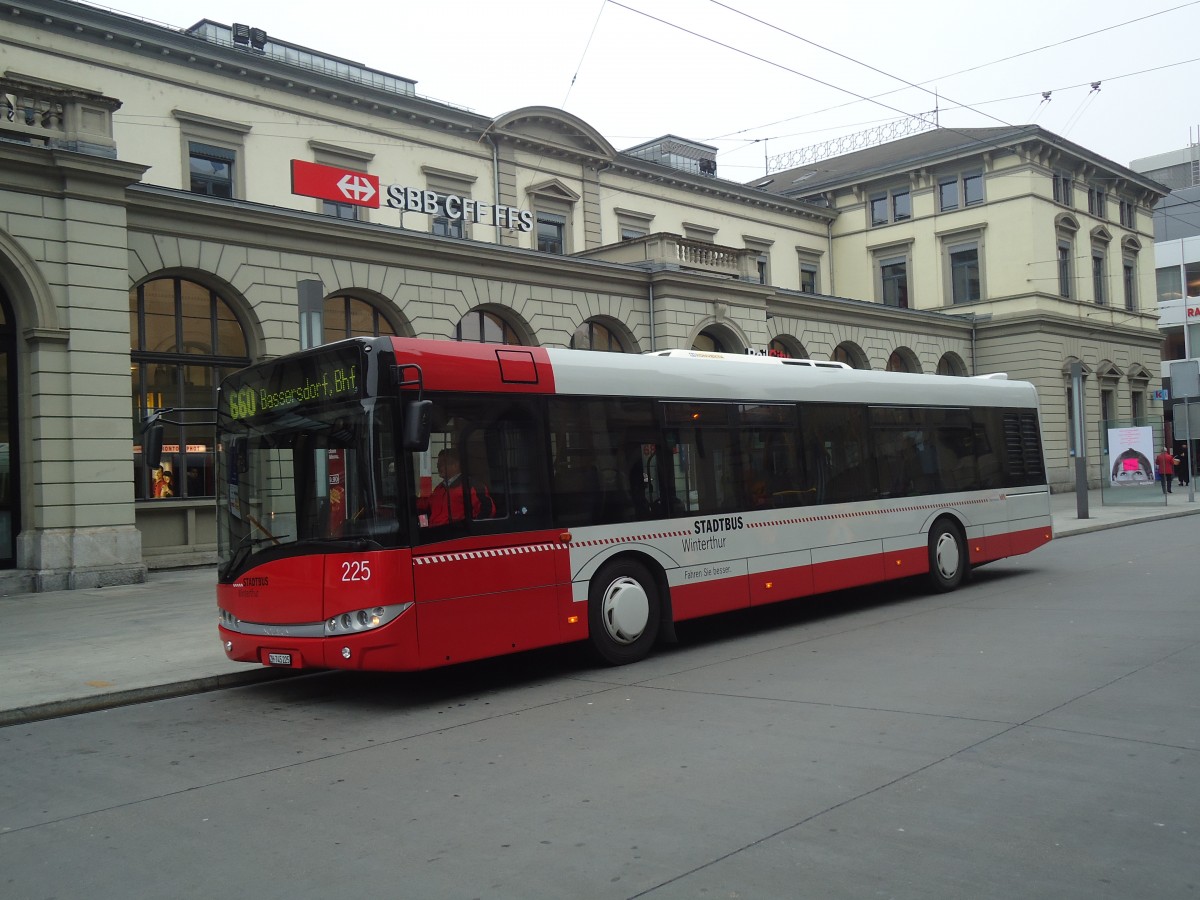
x=691, y=375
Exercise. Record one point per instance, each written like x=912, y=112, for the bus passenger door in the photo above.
x=486, y=581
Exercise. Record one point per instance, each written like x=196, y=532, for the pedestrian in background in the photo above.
x=1165, y=463
x=1183, y=465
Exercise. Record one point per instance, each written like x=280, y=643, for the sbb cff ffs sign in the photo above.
x=337, y=185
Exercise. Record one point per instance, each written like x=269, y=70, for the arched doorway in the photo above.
x=10, y=486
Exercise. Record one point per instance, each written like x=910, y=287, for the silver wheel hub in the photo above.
x=625, y=610
x=947, y=555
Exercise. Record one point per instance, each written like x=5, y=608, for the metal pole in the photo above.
x=1081, y=487
x=1187, y=354
x=1187, y=450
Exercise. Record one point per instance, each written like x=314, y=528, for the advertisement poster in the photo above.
x=1132, y=453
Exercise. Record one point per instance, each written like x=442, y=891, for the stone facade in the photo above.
x=94, y=205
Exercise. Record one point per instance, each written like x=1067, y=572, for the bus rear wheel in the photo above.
x=948, y=560
x=624, y=612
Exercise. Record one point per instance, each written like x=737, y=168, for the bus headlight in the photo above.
x=363, y=619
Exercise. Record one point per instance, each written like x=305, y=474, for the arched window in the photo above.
x=592, y=335
x=485, y=327
x=903, y=360
x=951, y=364
x=849, y=353
x=350, y=317
x=710, y=342
x=184, y=340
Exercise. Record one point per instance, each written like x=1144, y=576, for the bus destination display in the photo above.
x=313, y=382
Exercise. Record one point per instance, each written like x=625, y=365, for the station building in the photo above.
x=178, y=203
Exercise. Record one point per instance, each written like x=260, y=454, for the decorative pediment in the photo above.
x=1131, y=244
x=1106, y=371
x=1071, y=360
x=1138, y=372
x=1066, y=222
x=549, y=130
x=553, y=188
x=1101, y=235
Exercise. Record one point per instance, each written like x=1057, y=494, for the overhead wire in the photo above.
x=583, y=55
x=964, y=71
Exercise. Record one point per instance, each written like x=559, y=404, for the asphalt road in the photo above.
x=1035, y=734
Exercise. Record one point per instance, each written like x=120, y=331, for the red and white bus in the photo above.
x=602, y=497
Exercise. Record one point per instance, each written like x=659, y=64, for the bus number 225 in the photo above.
x=356, y=570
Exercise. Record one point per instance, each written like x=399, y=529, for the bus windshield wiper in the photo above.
x=243, y=547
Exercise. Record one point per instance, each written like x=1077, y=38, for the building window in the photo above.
x=485, y=327
x=1064, y=188
x=763, y=272
x=632, y=224
x=808, y=278
x=184, y=340
x=445, y=225
x=1128, y=214
x=964, y=190
x=346, y=317
x=711, y=343
x=879, y=210
x=1129, y=282
x=1098, y=292
x=592, y=335
x=551, y=232
x=1137, y=406
x=211, y=170
x=891, y=206
x=973, y=188
x=965, y=286
x=346, y=211
x=893, y=275
x=779, y=349
x=1169, y=283
x=1097, y=201
x=948, y=194
x=1065, y=275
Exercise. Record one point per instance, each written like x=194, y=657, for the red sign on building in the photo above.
x=338, y=185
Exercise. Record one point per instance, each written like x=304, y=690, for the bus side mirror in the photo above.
x=417, y=416
x=152, y=445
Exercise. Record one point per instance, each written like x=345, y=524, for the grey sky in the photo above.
x=707, y=70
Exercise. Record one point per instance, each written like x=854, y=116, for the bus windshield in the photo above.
x=304, y=475
x=321, y=477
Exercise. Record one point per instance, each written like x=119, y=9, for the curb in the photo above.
x=56, y=709
x=1104, y=526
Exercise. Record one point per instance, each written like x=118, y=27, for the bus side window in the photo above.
x=837, y=441
x=504, y=457
x=602, y=471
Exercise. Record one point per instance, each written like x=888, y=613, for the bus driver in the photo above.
x=445, y=504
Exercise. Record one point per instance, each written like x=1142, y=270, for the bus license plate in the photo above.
x=279, y=659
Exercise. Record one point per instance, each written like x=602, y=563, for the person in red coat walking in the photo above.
x=1165, y=463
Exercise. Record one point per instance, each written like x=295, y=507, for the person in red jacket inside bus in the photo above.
x=446, y=504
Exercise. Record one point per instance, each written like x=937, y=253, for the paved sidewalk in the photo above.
x=67, y=652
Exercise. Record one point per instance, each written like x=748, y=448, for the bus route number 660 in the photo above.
x=356, y=570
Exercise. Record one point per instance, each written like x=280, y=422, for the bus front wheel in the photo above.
x=948, y=560
x=623, y=612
